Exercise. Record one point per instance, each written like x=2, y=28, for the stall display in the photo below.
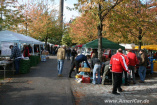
x=43, y=58
x=33, y=60
x=155, y=66
x=24, y=66
x=45, y=55
x=37, y=58
x=83, y=75
x=85, y=79
x=4, y=63
x=84, y=69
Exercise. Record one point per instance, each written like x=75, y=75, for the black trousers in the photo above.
x=117, y=81
x=126, y=77
x=74, y=64
x=72, y=60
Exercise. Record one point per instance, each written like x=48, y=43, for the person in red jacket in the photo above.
x=126, y=83
x=117, y=65
x=26, y=51
x=132, y=63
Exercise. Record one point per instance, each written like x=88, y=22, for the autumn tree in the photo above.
x=128, y=19
x=83, y=29
x=41, y=22
x=100, y=9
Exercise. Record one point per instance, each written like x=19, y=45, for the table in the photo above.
x=4, y=64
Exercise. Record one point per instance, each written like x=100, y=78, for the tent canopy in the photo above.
x=105, y=44
x=9, y=36
x=78, y=45
x=148, y=47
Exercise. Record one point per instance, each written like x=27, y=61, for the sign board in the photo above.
x=5, y=50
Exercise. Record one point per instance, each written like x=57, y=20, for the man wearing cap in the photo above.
x=118, y=64
x=60, y=58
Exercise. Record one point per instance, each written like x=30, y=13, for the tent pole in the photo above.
x=33, y=48
x=19, y=45
x=40, y=49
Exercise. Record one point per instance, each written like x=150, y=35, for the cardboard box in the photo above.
x=84, y=69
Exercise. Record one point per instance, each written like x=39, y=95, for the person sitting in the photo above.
x=79, y=58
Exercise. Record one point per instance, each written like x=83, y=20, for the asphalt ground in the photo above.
x=41, y=86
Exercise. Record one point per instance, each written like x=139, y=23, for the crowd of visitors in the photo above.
x=112, y=67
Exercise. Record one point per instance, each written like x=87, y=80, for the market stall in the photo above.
x=106, y=44
x=8, y=38
x=152, y=58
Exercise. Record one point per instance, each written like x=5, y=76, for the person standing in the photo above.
x=26, y=51
x=142, y=66
x=68, y=51
x=60, y=60
x=80, y=58
x=30, y=48
x=117, y=65
x=132, y=63
x=73, y=55
x=96, y=66
x=16, y=55
x=126, y=83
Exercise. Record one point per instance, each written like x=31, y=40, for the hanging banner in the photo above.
x=5, y=50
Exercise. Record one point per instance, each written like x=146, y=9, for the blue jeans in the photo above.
x=97, y=68
x=60, y=66
x=17, y=65
x=142, y=72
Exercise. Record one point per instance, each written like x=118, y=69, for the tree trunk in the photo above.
x=61, y=5
x=100, y=28
x=46, y=43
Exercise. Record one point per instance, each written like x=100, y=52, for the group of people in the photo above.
x=118, y=64
x=16, y=54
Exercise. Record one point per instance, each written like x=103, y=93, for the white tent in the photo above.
x=128, y=46
x=9, y=36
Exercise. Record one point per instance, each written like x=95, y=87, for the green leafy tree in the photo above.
x=66, y=40
x=9, y=14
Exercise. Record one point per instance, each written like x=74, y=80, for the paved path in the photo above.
x=39, y=87
x=42, y=87
x=138, y=94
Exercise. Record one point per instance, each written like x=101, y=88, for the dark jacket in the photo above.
x=80, y=58
x=94, y=61
x=15, y=52
x=143, y=60
x=73, y=53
